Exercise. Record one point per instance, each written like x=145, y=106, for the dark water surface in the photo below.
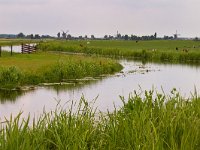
x=135, y=76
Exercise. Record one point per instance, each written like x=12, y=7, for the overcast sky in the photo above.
x=100, y=17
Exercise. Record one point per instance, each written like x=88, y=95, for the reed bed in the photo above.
x=153, y=121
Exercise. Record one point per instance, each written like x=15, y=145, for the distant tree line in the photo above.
x=23, y=36
x=92, y=37
x=132, y=37
x=32, y=36
x=65, y=36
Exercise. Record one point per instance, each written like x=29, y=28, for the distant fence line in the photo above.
x=25, y=49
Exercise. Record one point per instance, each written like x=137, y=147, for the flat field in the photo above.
x=8, y=42
x=182, y=51
x=133, y=45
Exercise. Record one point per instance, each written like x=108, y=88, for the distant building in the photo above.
x=176, y=35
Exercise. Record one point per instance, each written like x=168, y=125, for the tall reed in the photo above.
x=153, y=121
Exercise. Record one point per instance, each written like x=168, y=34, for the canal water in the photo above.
x=15, y=48
x=106, y=90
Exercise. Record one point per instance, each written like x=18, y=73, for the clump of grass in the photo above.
x=74, y=70
x=161, y=122
x=155, y=121
x=10, y=77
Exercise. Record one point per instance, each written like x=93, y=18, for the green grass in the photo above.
x=26, y=69
x=155, y=121
x=8, y=42
x=157, y=50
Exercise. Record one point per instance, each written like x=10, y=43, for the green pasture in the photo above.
x=8, y=42
x=177, y=51
x=132, y=45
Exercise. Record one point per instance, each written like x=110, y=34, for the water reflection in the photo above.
x=195, y=64
x=16, y=49
x=75, y=86
x=10, y=95
x=13, y=95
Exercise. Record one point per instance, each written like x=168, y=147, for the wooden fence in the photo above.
x=27, y=48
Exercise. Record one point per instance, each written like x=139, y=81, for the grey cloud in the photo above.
x=22, y=2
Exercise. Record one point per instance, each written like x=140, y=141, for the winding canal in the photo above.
x=106, y=90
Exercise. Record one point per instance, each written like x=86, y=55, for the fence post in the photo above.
x=22, y=48
x=29, y=48
x=11, y=47
x=0, y=51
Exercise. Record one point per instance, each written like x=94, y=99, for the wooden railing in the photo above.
x=27, y=48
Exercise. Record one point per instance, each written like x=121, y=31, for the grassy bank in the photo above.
x=186, y=51
x=25, y=69
x=160, y=122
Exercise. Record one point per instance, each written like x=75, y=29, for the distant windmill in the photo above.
x=176, y=35
x=64, y=34
x=118, y=36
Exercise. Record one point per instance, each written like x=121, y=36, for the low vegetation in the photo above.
x=8, y=42
x=175, y=51
x=25, y=69
x=153, y=121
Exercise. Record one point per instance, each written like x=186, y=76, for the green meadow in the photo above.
x=42, y=67
x=174, y=51
x=8, y=42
